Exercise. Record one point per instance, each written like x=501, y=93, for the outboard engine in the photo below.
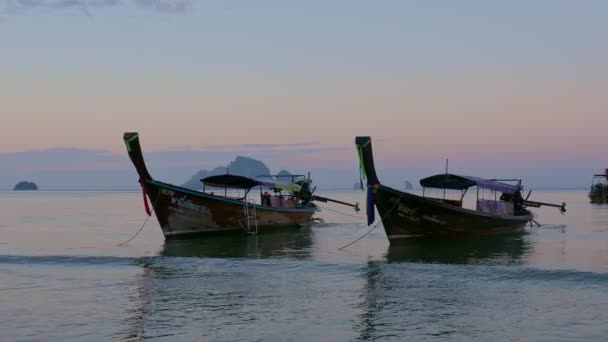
x=305, y=193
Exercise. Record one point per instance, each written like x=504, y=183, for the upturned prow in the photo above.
x=366, y=163
x=134, y=150
x=366, y=159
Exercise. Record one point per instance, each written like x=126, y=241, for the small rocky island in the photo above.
x=25, y=186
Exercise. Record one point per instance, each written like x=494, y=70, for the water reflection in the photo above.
x=425, y=288
x=286, y=243
x=138, y=307
x=205, y=279
x=599, y=217
x=483, y=250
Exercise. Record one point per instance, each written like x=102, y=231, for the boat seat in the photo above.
x=500, y=208
x=282, y=202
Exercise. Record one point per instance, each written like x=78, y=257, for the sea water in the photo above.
x=64, y=277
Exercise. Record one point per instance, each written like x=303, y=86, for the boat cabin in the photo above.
x=599, y=188
x=599, y=181
x=272, y=194
x=493, y=196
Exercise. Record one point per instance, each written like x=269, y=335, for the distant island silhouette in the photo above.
x=241, y=166
x=25, y=186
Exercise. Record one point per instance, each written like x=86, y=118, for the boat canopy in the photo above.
x=230, y=181
x=281, y=186
x=241, y=182
x=456, y=182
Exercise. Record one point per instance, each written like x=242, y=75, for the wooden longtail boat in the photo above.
x=184, y=212
x=599, y=188
x=404, y=214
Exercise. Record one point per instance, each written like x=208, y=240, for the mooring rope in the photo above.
x=133, y=237
x=361, y=237
x=374, y=227
x=147, y=217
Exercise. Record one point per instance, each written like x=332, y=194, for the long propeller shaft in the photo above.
x=535, y=204
x=326, y=199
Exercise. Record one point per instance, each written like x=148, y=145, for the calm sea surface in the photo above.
x=63, y=278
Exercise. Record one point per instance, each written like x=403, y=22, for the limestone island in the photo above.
x=25, y=186
x=241, y=166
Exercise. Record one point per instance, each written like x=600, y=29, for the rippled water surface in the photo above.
x=63, y=278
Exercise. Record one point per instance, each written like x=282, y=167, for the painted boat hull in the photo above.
x=183, y=212
x=405, y=215
x=597, y=198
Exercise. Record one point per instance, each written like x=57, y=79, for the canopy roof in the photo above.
x=605, y=174
x=241, y=182
x=230, y=181
x=456, y=182
x=281, y=186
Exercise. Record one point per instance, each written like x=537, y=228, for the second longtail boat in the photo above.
x=599, y=188
x=503, y=210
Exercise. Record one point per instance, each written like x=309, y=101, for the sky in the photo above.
x=502, y=89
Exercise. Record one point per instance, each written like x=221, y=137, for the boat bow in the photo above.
x=368, y=172
x=134, y=150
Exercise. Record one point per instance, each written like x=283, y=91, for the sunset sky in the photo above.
x=512, y=88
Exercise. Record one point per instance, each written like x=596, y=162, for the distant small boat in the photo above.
x=406, y=215
x=224, y=205
x=599, y=188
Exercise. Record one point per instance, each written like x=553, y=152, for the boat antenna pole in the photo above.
x=446, y=176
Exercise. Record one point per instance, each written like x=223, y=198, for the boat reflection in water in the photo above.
x=429, y=288
x=288, y=243
x=502, y=250
x=257, y=286
x=212, y=280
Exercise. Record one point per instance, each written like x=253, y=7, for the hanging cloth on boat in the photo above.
x=361, y=163
x=371, y=212
x=146, y=205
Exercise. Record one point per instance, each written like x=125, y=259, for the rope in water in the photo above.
x=374, y=227
x=147, y=208
x=133, y=237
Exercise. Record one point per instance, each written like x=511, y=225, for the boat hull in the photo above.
x=597, y=198
x=183, y=212
x=405, y=215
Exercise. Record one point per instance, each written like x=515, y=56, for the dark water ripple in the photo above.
x=66, y=260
